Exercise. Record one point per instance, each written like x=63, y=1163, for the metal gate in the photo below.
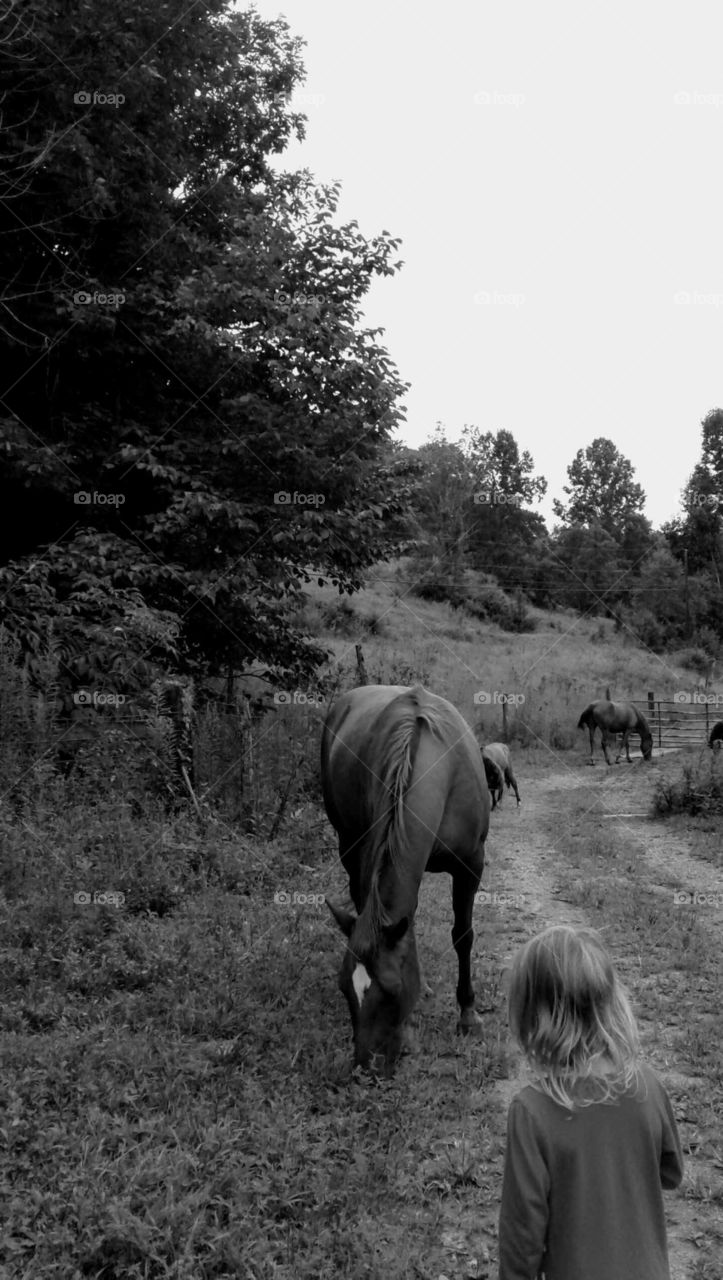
x=681, y=723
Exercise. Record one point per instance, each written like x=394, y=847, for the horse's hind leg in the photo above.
x=464, y=886
x=592, y=743
x=512, y=782
x=605, y=745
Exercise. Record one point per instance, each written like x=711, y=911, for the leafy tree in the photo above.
x=231, y=364
x=442, y=506
x=502, y=531
x=469, y=509
x=601, y=490
x=591, y=571
x=699, y=534
x=661, y=590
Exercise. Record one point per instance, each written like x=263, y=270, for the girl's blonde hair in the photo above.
x=571, y=1015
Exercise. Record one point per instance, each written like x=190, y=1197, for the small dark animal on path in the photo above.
x=613, y=718
x=405, y=789
x=498, y=768
x=716, y=735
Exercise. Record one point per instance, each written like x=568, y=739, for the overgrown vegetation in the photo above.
x=699, y=789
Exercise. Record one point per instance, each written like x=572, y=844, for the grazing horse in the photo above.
x=405, y=789
x=616, y=717
x=716, y=735
x=498, y=768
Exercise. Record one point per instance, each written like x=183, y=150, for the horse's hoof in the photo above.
x=470, y=1023
x=409, y=1046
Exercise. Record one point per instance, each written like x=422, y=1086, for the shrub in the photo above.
x=479, y=595
x=698, y=790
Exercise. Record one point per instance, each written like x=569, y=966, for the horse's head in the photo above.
x=646, y=745
x=381, y=987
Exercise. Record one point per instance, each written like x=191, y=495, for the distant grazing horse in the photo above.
x=716, y=735
x=498, y=768
x=616, y=717
x=405, y=789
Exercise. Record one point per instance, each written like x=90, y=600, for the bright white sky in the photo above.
x=578, y=200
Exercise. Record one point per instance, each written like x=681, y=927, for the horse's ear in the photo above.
x=393, y=933
x=345, y=919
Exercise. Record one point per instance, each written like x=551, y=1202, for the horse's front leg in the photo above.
x=624, y=747
x=465, y=884
x=592, y=744
x=605, y=746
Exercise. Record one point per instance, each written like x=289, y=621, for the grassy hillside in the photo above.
x=553, y=672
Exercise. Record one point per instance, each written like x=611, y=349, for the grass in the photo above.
x=178, y=1097
x=186, y=1105
x=556, y=669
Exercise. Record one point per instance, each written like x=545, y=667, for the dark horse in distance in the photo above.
x=405, y=789
x=612, y=718
x=498, y=768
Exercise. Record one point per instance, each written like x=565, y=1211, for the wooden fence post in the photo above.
x=361, y=669
x=504, y=721
x=651, y=713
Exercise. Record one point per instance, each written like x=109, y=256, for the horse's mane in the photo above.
x=413, y=713
x=643, y=725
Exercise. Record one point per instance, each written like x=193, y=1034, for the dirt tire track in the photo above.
x=522, y=861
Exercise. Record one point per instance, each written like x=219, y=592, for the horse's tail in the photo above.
x=394, y=777
x=586, y=721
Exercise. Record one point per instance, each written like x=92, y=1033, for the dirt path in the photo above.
x=524, y=877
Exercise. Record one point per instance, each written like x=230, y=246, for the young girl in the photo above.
x=591, y=1142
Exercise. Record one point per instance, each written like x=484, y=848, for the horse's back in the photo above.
x=615, y=717
x=499, y=754
x=375, y=728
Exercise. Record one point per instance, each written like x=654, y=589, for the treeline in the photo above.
x=474, y=517
x=195, y=423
